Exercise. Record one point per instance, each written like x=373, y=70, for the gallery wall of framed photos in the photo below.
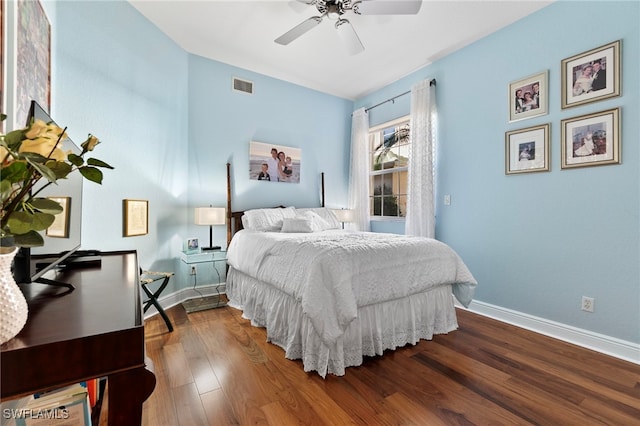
x=592, y=139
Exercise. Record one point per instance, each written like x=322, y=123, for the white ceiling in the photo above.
x=242, y=33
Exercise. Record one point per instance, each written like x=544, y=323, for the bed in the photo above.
x=331, y=297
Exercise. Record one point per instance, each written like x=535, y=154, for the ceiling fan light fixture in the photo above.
x=334, y=9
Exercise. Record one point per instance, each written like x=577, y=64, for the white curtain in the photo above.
x=420, y=215
x=359, y=171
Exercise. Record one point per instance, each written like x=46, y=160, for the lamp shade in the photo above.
x=210, y=216
x=344, y=215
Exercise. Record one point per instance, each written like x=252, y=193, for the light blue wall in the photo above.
x=538, y=242
x=169, y=122
x=115, y=75
x=535, y=242
x=222, y=122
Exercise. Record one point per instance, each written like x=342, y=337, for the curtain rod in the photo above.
x=431, y=83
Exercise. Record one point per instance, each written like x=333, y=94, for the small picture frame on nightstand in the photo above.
x=191, y=246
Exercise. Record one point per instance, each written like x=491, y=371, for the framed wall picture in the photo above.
x=60, y=226
x=33, y=59
x=274, y=163
x=591, y=76
x=136, y=217
x=3, y=59
x=591, y=140
x=528, y=97
x=527, y=150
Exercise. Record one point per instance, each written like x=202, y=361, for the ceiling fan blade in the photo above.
x=349, y=37
x=301, y=5
x=298, y=30
x=387, y=7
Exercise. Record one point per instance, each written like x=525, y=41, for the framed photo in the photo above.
x=528, y=97
x=33, y=59
x=527, y=150
x=136, y=217
x=274, y=163
x=591, y=140
x=591, y=76
x=191, y=245
x=60, y=226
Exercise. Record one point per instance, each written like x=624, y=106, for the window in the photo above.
x=389, y=146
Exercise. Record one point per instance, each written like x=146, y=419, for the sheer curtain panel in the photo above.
x=420, y=216
x=359, y=171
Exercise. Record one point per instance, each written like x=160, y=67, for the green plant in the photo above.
x=401, y=134
x=387, y=204
x=28, y=155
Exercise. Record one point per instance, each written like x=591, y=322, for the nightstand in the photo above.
x=211, y=265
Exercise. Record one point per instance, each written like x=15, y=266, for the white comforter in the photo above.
x=332, y=273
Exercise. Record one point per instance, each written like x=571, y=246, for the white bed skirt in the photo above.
x=386, y=325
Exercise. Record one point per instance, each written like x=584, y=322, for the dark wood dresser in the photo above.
x=97, y=330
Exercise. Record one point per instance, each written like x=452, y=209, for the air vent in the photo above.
x=243, y=86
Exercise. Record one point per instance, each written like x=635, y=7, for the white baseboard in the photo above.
x=618, y=348
x=180, y=296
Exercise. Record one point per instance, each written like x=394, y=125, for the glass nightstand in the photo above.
x=212, y=266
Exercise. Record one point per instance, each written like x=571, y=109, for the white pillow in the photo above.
x=297, y=224
x=318, y=223
x=266, y=219
x=306, y=222
x=326, y=214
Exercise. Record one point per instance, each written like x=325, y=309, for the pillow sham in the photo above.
x=306, y=222
x=326, y=214
x=266, y=219
x=297, y=224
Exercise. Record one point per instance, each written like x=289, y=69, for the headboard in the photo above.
x=234, y=218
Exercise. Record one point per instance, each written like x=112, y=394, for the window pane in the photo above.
x=402, y=205
x=387, y=183
x=376, y=185
x=400, y=182
x=403, y=155
x=376, y=149
x=389, y=206
x=376, y=206
x=389, y=149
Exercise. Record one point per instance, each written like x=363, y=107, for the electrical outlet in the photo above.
x=588, y=304
x=193, y=270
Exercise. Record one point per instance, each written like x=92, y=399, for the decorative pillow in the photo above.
x=318, y=223
x=306, y=222
x=297, y=224
x=266, y=219
x=326, y=214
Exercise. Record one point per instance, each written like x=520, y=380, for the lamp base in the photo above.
x=210, y=248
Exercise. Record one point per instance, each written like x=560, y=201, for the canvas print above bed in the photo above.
x=274, y=163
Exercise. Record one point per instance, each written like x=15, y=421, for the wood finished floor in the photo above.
x=216, y=369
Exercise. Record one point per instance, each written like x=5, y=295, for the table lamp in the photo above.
x=344, y=215
x=210, y=216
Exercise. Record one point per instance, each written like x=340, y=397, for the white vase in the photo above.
x=13, y=306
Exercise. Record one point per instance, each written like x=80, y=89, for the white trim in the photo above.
x=608, y=345
x=180, y=296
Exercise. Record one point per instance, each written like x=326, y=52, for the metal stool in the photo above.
x=148, y=277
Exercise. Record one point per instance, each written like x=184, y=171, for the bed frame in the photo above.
x=234, y=218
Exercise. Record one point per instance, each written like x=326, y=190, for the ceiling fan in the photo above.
x=334, y=9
